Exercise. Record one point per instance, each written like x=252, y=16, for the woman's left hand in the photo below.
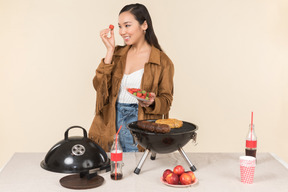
x=148, y=102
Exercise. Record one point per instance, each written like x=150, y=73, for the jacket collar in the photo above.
x=154, y=55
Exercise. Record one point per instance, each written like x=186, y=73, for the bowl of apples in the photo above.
x=178, y=177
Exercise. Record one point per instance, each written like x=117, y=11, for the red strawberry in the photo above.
x=111, y=27
x=139, y=94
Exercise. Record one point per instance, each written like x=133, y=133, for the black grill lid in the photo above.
x=75, y=154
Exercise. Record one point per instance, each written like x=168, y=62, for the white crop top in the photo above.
x=133, y=80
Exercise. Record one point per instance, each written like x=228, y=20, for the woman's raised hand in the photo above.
x=109, y=42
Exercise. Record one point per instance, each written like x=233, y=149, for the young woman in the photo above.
x=140, y=63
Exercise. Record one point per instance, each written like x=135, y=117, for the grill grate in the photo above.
x=186, y=128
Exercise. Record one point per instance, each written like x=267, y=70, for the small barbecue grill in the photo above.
x=163, y=142
x=80, y=155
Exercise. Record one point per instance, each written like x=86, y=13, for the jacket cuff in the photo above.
x=155, y=108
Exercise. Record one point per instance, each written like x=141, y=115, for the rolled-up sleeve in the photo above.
x=103, y=74
x=164, y=98
x=102, y=83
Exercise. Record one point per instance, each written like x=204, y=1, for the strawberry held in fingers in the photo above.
x=111, y=27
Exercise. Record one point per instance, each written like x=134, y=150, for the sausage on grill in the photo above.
x=153, y=127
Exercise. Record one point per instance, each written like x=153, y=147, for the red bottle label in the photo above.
x=251, y=144
x=116, y=156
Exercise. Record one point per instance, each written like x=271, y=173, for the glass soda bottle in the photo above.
x=251, y=142
x=116, y=159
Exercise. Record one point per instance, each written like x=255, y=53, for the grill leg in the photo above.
x=142, y=160
x=153, y=156
x=181, y=151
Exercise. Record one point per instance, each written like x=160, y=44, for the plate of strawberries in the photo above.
x=139, y=94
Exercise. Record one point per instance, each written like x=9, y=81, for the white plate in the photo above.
x=179, y=186
x=135, y=96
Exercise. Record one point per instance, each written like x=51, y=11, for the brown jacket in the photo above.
x=157, y=78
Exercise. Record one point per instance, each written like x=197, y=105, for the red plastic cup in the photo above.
x=247, y=169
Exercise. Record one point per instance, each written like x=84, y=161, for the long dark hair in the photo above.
x=141, y=14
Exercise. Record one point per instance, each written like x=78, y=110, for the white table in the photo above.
x=215, y=171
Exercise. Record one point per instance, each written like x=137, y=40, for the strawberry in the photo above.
x=135, y=90
x=139, y=94
x=111, y=27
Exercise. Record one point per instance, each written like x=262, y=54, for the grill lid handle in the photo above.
x=66, y=132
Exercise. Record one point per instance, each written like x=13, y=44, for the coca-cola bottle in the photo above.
x=116, y=160
x=251, y=142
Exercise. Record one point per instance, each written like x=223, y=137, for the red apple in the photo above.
x=185, y=179
x=165, y=173
x=172, y=179
x=192, y=175
x=179, y=169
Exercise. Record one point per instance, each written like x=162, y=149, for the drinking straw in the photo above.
x=116, y=150
x=121, y=127
x=251, y=124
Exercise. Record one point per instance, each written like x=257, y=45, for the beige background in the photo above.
x=230, y=56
